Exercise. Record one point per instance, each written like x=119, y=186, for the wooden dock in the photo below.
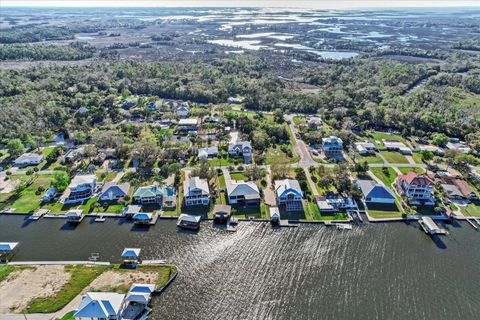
x=154, y=219
x=153, y=262
x=286, y=224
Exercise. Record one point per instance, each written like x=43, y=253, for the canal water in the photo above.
x=375, y=271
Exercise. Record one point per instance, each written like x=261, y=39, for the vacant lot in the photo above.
x=394, y=157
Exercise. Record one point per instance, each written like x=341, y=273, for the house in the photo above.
x=137, y=300
x=182, y=111
x=28, y=159
x=241, y=192
x=241, y=149
x=81, y=188
x=221, y=212
x=112, y=191
x=314, y=123
x=453, y=193
x=129, y=102
x=417, y=188
x=149, y=194
x=73, y=155
x=83, y=110
x=436, y=150
x=234, y=100
x=210, y=119
x=49, y=195
x=459, y=146
x=104, y=154
x=190, y=125
x=100, y=306
x=375, y=193
x=364, y=148
x=289, y=194
x=396, y=145
x=332, y=202
x=196, y=192
x=332, y=147
x=453, y=184
x=207, y=153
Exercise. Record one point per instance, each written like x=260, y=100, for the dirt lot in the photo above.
x=23, y=285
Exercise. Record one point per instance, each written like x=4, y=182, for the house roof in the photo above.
x=222, y=208
x=148, y=191
x=235, y=188
x=463, y=186
x=188, y=122
x=131, y=252
x=207, y=151
x=100, y=305
x=452, y=190
x=79, y=180
x=413, y=178
x=372, y=190
x=8, y=246
x=274, y=212
x=142, y=287
x=195, y=183
x=116, y=188
x=74, y=213
x=240, y=145
x=282, y=186
x=332, y=140
x=29, y=157
x=133, y=208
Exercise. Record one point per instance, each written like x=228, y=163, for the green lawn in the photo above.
x=244, y=212
x=378, y=136
x=406, y=170
x=225, y=160
x=471, y=210
x=111, y=208
x=394, y=157
x=81, y=277
x=27, y=201
x=238, y=175
x=369, y=159
x=69, y=316
x=5, y=271
x=417, y=157
x=221, y=182
x=275, y=155
x=109, y=176
x=387, y=179
x=298, y=119
x=383, y=211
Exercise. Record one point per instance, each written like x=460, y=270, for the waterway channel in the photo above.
x=375, y=271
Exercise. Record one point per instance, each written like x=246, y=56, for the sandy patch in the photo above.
x=23, y=285
x=121, y=280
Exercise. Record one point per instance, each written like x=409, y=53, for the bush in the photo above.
x=41, y=189
x=29, y=172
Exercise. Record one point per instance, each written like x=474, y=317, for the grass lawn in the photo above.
x=69, y=316
x=5, y=271
x=221, y=182
x=387, y=179
x=298, y=119
x=81, y=277
x=28, y=201
x=244, y=212
x=394, y=157
x=378, y=136
x=369, y=159
x=238, y=175
x=225, y=160
x=111, y=208
x=275, y=155
x=471, y=210
x=406, y=170
x=109, y=176
x=417, y=157
x=382, y=211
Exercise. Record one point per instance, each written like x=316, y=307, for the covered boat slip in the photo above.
x=131, y=256
x=187, y=221
x=6, y=250
x=430, y=227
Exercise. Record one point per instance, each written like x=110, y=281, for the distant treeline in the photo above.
x=73, y=51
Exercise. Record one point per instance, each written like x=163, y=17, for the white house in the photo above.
x=100, y=306
x=332, y=147
x=241, y=192
x=289, y=193
x=196, y=192
x=183, y=111
x=190, y=124
x=364, y=148
x=207, y=153
x=375, y=193
x=81, y=188
x=28, y=159
x=418, y=188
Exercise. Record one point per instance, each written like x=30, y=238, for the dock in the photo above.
x=154, y=219
x=430, y=227
x=38, y=214
x=232, y=224
x=100, y=219
x=153, y=262
x=286, y=224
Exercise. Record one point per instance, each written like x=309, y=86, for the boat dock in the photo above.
x=100, y=219
x=38, y=214
x=430, y=227
x=232, y=224
x=286, y=224
x=153, y=262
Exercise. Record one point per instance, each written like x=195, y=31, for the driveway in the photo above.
x=301, y=148
x=268, y=192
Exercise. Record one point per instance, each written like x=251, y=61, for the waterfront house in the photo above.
x=417, y=188
x=187, y=221
x=207, y=153
x=149, y=195
x=332, y=147
x=453, y=184
x=396, y=145
x=289, y=194
x=100, y=306
x=241, y=192
x=113, y=192
x=221, y=212
x=143, y=218
x=182, y=111
x=49, y=195
x=334, y=202
x=241, y=149
x=196, y=191
x=375, y=193
x=28, y=159
x=364, y=148
x=81, y=188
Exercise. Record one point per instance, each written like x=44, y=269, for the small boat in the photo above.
x=232, y=224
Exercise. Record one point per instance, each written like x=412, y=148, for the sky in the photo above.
x=317, y=4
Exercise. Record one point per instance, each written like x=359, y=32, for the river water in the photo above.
x=375, y=271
